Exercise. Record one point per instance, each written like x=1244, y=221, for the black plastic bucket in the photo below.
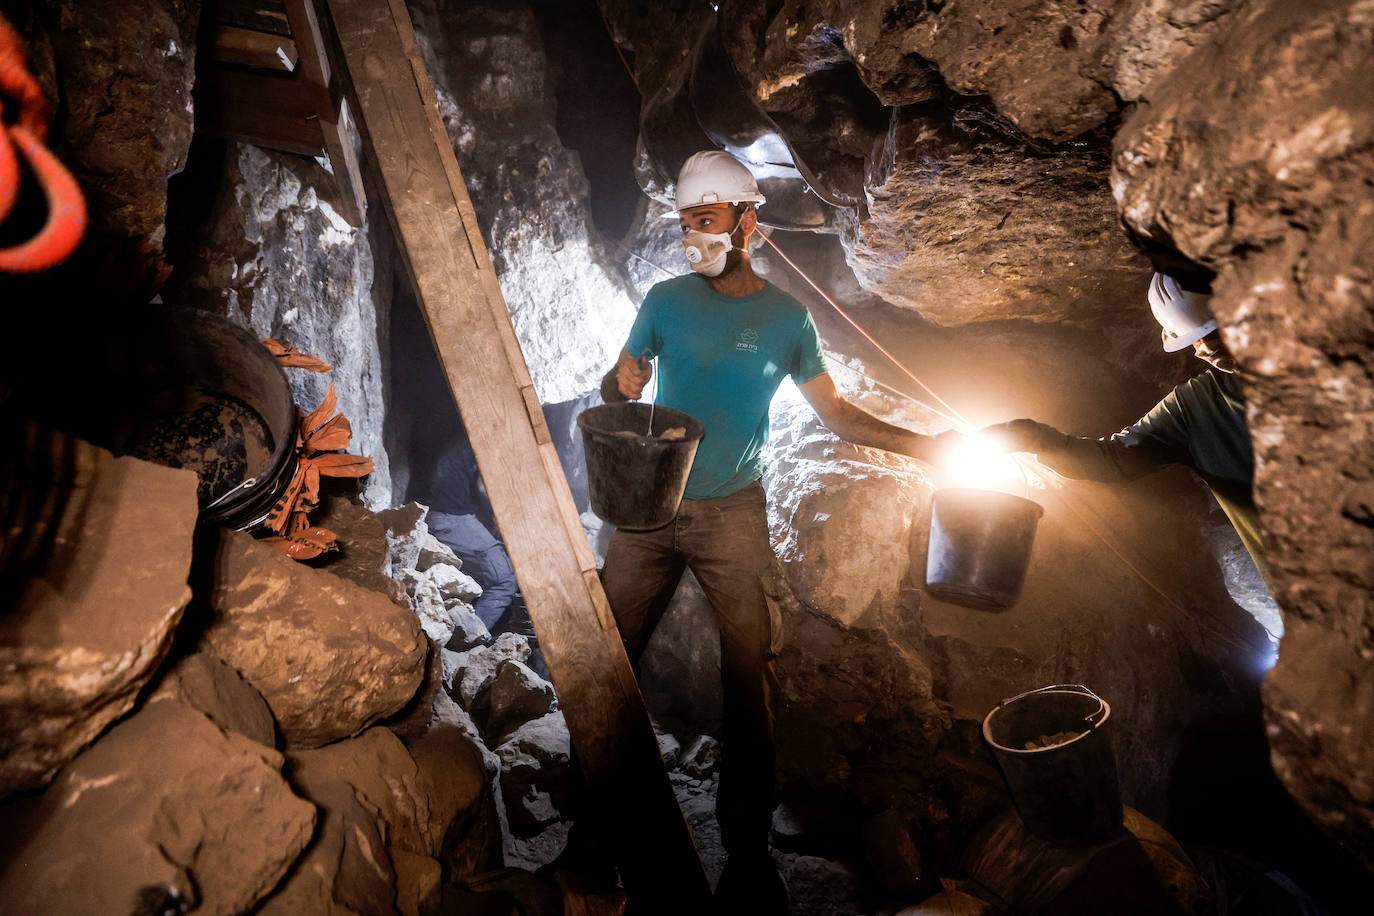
x=980, y=546
x=186, y=388
x=635, y=478
x=1057, y=762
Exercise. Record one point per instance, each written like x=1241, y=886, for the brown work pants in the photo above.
x=725, y=544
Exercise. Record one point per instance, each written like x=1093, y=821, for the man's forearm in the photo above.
x=856, y=425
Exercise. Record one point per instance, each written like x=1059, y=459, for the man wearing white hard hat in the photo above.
x=725, y=338
x=1200, y=424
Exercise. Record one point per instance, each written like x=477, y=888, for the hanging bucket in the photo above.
x=980, y=546
x=635, y=477
x=1057, y=762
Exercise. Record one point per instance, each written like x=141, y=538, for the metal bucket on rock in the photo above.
x=636, y=478
x=187, y=388
x=980, y=546
x=1057, y=762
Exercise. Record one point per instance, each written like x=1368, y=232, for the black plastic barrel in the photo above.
x=1054, y=754
x=635, y=477
x=980, y=546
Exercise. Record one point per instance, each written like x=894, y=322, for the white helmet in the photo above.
x=713, y=177
x=1183, y=316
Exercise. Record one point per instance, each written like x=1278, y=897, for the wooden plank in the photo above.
x=268, y=109
x=251, y=48
x=427, y=204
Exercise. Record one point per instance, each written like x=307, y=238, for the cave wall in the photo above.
x=1015, y=118
x=1233, y=136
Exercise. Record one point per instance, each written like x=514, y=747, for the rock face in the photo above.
x=570, y=313
x=1276, y=199
x=1242, y=152
x=263, y=240
x=165, y=813
x=102, y=552
x=328, y=656
x=124, y=67
x=204, y=681
x=961, y=219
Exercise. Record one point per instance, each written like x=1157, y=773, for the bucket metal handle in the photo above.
x=1092, y=718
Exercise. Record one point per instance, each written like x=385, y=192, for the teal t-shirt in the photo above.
x=721, y=359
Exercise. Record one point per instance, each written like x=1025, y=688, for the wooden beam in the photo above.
x=436, y=229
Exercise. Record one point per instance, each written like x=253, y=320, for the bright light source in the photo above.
x=979, y=462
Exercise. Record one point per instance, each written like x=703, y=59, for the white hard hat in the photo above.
x=1183, y=315
x=713, y=177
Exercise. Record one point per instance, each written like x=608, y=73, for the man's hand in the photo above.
x=632, y=375
x=1023, y=436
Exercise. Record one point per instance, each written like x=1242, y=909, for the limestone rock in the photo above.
x=166, y=808
x=534, y=772
x=267, y=246
x=452, y=582
x=516, y=695
x=406, y=532
x=478, y=666
x=329, y=656
x=101, y=586
x=468, y=629
x=680, y=667
x=434, y=551
x=428, y=604
x=702, y=757
x=849, y=510
x=204, y=681
x=448, y=714
x=384, y=778
x=1144, y=869
x=964, y=226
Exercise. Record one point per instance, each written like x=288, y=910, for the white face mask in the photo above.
x=707, y=251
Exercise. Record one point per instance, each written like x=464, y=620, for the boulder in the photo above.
x=100, y=569
x=384, y=778
x=434, y=551
x=329, y=656
x=204, y=681
x=1143, y=870
x=167, y=812
x=414, y=720
x=364, y=555
x=347, y=870
x=462, y=829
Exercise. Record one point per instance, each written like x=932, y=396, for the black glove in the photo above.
x=1023, y=436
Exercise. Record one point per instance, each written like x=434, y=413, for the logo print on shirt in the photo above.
x=748, y=341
